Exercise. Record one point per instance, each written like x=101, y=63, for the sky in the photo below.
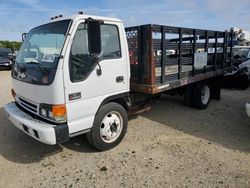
x=19, y=16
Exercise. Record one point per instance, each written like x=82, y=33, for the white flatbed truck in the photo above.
x=84, y=74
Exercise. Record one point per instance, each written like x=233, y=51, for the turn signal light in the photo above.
x=59, y=110
x=57, y=113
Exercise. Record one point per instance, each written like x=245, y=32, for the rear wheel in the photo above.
x=201, y=96
x=110, y=126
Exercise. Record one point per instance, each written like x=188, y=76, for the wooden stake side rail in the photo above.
x=165, y=57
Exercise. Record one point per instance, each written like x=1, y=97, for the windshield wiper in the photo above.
x=42, y=68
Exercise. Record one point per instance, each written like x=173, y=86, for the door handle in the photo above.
x=119, y=79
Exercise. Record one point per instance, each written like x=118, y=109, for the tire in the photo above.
x=188, y=96
x=201, y=95
x=109, y=128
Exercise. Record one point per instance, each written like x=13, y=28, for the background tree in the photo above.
x=14, y=45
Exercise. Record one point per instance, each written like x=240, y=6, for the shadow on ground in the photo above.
x=224, y=122
x=18, y=147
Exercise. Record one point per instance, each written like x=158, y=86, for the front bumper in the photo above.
x=248, y=109
x=5, y=66
x=44, y=132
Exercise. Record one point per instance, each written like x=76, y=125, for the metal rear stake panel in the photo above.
x=164, y=57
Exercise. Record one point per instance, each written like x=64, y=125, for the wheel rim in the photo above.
x=111, y=127
x=205, y=94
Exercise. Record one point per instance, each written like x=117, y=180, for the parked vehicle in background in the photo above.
x=242, y=36
x=239, y=75
x=237, y=78
x=6, y=58
x=240, y=54
x=85, y=74
x=246, y=67
x=241, y=51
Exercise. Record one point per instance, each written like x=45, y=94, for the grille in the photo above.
x=28, y=105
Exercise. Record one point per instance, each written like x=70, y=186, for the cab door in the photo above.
x=85, y=89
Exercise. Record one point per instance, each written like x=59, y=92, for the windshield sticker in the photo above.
x=30, y=59
x=49, y=58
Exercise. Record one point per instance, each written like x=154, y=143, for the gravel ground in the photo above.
x=170, y=146
x=5, y=87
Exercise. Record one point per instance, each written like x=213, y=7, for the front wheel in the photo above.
x=109, y=128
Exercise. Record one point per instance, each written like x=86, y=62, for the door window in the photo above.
x=80, y=62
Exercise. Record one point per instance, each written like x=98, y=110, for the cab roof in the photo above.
x=84, y=16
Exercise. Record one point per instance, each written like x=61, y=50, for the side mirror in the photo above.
x=24, y=36
x=94, y=37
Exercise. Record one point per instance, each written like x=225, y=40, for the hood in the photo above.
x=49, y=94
x=4, y=60
x=245, y=64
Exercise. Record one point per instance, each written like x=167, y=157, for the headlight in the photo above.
x=55, y=113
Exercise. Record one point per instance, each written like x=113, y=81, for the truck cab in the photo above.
x=62, y=86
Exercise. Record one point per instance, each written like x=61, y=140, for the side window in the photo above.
x=110, y=42
x=80, y=61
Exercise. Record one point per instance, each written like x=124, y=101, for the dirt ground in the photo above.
x=170, y=146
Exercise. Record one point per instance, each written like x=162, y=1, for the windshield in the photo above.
x=241, y=52
x=40, y=52
x=244, y=53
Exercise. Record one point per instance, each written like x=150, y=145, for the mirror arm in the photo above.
x=96, y=59
x=24, y=36
x=99, y=71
